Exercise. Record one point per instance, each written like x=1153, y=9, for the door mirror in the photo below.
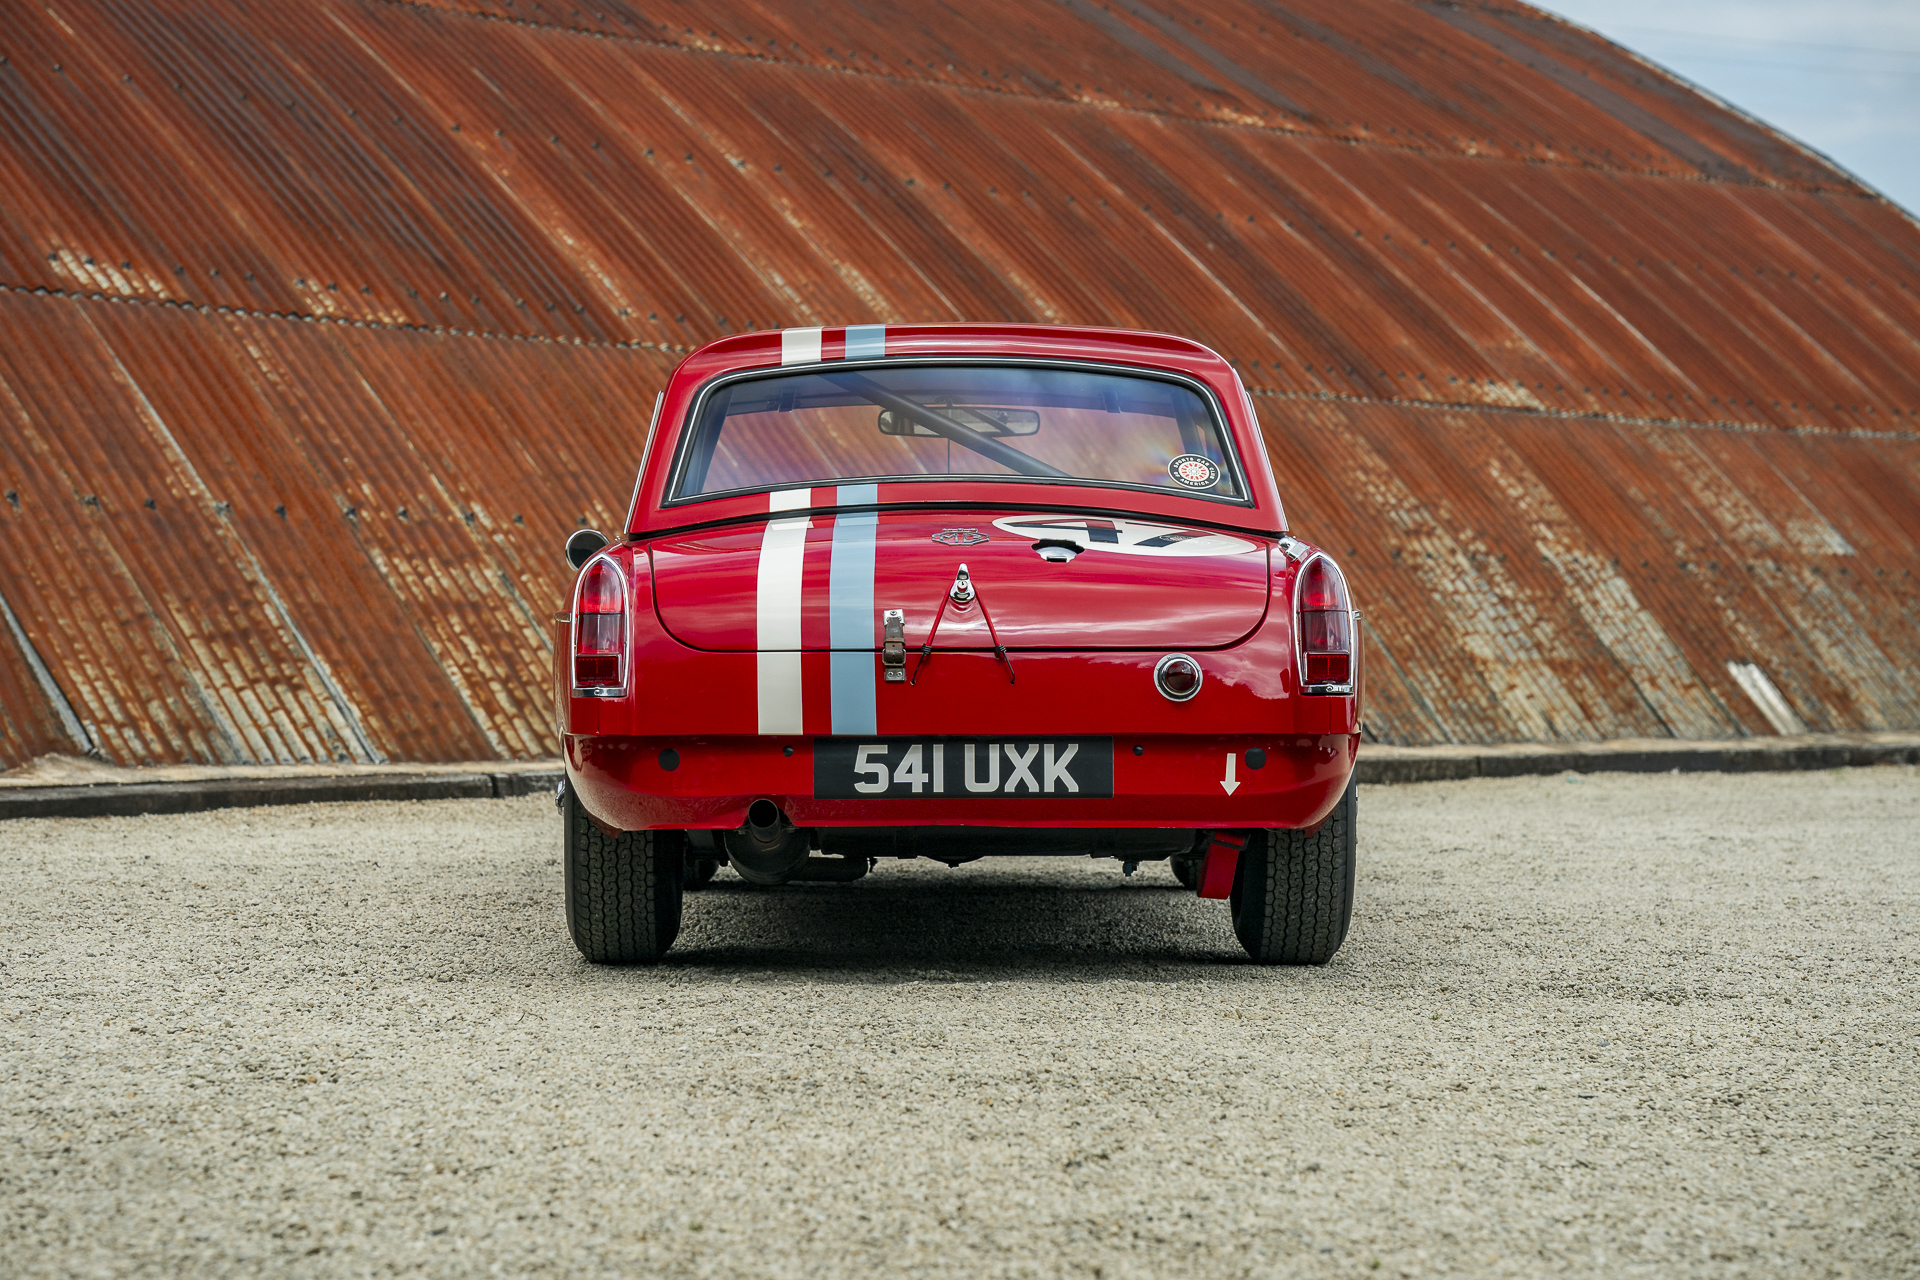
x=582, y=544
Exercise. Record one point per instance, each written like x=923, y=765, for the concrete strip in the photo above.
x=136, y=798
x=78, y=771
x=1383, y=764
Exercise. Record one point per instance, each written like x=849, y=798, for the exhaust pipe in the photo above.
x=768, y=849
x=835, y=870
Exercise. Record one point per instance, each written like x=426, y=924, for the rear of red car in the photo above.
x=950, y=591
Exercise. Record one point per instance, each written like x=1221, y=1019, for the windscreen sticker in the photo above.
x=1194, y=471
x=1128, y=537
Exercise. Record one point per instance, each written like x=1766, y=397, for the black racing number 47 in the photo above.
x=1054, y=768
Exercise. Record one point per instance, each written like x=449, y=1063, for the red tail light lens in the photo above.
x=600, y=627
x=1320, y=587
x=1326, y=625
x=1329, y=668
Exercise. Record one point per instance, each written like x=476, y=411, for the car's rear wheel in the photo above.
x=623, y=892
x=1186, y=871
x=1293, y=893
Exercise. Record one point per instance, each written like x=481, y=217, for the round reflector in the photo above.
x=1177, y=676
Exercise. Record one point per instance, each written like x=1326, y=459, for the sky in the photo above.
x=1841, y=76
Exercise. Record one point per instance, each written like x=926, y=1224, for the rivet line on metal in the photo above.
x=346, y=321
x=1577, y=415
x=1354, y=140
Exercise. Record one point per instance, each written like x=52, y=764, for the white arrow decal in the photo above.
x=1229, y=784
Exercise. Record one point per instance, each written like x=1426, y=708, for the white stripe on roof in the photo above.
x=800, y=346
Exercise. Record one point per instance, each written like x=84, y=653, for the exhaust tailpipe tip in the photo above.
x=764, y=819
x=769, y=849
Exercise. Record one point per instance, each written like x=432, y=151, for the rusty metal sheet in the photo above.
x=1485, y=634
x=1385, y=71
x=349, y=547
x=129, y=586
x=1589, y=377
x=31, y=704
x=553, y=184
x=1605, y=75
x=463, y=511
x=250, y=405
x=1542, y=579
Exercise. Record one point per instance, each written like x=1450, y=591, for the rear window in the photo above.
x=962, y=421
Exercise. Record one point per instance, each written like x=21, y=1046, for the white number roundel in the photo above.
x=1127, y=537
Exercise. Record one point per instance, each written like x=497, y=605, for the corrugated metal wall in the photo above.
x=323, y=322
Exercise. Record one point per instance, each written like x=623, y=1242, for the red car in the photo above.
x=950, y=591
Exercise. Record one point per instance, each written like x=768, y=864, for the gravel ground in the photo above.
x=1613, y=1025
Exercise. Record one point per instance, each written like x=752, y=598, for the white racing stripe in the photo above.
x=783, y=554
x=783, y=549
x=800, y=346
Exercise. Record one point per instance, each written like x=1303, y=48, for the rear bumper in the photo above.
x=1173, y=781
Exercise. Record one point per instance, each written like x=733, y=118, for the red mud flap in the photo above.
x=1221, y=861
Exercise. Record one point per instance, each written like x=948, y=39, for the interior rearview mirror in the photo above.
x=986, y=421
x=581, y=545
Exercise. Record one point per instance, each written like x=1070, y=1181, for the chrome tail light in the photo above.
x=600, y=630
x=1325, y=628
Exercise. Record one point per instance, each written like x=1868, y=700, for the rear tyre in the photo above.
x=622, y=892
x=1293, y=893
x=1186, y=871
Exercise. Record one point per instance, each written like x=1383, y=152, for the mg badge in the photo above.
x=959, y=537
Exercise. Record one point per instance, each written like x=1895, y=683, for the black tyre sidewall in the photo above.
x=1249, y=891
x=623, y=893
x=1292, y=899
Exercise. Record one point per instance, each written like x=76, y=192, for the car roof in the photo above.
x=752, y=350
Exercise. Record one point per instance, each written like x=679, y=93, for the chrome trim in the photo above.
x=684, y=443
x=626, y=646
x=1325, y=688
x=1353, y=654
x=1160, y=666
x=1058, y=550
x=893, y=649
x=646, y=452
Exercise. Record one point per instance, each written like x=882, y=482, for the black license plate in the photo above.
x=1062, y=768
